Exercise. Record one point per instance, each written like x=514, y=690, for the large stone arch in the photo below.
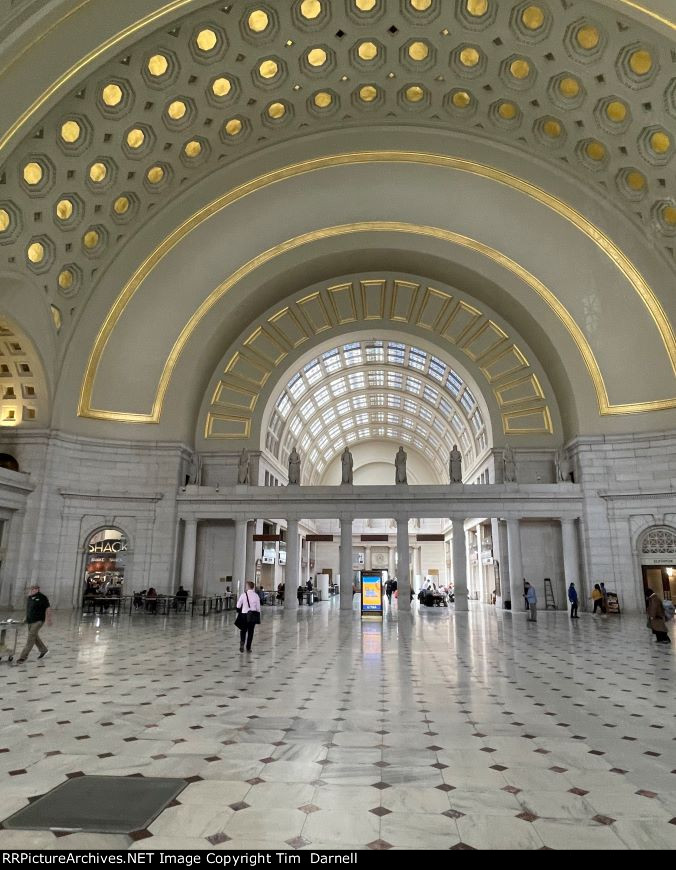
x=203, y=255
x=630, y=178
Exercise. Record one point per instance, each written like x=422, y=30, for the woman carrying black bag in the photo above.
x=248, y=615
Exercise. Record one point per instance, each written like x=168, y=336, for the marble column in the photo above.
x=571, y=557
x=459, y=565
x=403, y=566
x=515, y=565
x=239, y=562
x=250, y=569
x=481, y=570
x=391, y=565
x=292, y=565
x=417, y=564
x=346, y=564
x=189, y=555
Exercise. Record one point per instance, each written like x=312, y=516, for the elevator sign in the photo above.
x=371, y=595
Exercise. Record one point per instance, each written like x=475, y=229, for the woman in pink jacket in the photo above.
x=249, y=615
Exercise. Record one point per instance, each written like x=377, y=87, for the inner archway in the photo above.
x=364, y=393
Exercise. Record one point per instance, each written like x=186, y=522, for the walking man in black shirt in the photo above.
x=37, y=613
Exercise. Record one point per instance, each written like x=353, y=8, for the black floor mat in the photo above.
x=101, y=804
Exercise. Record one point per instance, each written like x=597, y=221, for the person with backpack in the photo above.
x=248, y=615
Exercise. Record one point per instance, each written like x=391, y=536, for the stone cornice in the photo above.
x=100, y=496
x=634, y=495
x=16, y=481
x=330, y=502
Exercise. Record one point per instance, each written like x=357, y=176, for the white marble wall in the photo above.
x=542, y=556
x=629, y=484
x=82, y=485
x=215, y=556
x=75, y=486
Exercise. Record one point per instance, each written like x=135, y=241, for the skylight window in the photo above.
x=395, y=353
x=297, y=387
x=284, y=405
x=353, y=356
x=467, y=400
x=332, y=361
x=313, y=372
x=454, y=383
x=436, y=369
x=417, y=359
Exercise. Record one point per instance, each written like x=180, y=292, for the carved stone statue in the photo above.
x=509, y=465
x=400, y=466
x=195, y=470
x=561, y=467
x=294, y=468
x=347, y=464
x=455, y=465
x=243, y=468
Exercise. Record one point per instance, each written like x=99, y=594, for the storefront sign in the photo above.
x=118, y=545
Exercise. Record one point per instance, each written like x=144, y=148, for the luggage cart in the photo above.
x=7, y=642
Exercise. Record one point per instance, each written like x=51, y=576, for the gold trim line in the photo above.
x=605, y=408
x=563, y=209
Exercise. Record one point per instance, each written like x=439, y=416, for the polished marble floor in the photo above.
x=436, y=730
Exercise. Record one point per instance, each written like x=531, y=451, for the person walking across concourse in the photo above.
x=249, y=615
x=37, y=613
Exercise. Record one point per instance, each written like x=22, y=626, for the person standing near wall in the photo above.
x=572, y=597
x=37, y=613
x=532, y=601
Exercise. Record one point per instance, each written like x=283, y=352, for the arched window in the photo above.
x=9, y=462
x=659, y=541
x=105, y=562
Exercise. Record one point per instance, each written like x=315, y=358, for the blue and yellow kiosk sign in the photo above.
x=371, y=595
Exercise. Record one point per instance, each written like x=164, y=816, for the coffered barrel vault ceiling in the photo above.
x=574, y=83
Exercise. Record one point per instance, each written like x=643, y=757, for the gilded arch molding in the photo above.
x=605, y=407
x=619, y=260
